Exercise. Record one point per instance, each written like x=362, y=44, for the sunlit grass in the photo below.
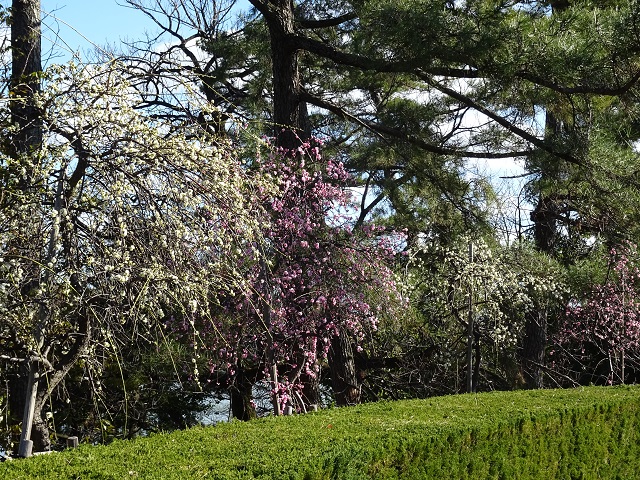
x=583, y=433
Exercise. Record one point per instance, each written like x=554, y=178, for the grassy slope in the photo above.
x=584, y=433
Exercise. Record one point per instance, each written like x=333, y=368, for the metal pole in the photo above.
x=26, y=444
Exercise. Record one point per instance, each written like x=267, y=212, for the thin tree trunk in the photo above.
x=469, y=356
x=478, y=359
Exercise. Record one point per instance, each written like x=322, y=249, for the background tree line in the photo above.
x=281, y=202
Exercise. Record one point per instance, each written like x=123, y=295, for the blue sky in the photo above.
x=79, y=25
x=75, y=25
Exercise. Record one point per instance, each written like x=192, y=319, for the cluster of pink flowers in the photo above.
x=315, y=277
x=608, y=320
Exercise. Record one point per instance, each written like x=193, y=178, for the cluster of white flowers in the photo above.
x=501, y=282
x=125, y=216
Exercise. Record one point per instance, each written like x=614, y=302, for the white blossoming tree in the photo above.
x=474, y=298
x=116, y=221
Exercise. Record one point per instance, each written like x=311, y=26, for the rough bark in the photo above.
x=26, y=65
x=534, y=342
x=344, y=376
x=290, y=119
x=286, y=77
x=545, y=232
x=533, y=348
x=545, y=224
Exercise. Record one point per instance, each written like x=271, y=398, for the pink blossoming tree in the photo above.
x=601, y=333
x=315, y=281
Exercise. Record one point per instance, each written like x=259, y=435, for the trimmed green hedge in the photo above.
x=586, y=433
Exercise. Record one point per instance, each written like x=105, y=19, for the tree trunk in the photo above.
x=344, y=377
x=470, y=337
x=476, y=367
x=310, y=390
x=545, y=225
x=533, y=348
x=242, y=406
x=545, y=234
x=290, y=117
x=26, y=65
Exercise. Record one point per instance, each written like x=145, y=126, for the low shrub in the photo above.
x=585, y=433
